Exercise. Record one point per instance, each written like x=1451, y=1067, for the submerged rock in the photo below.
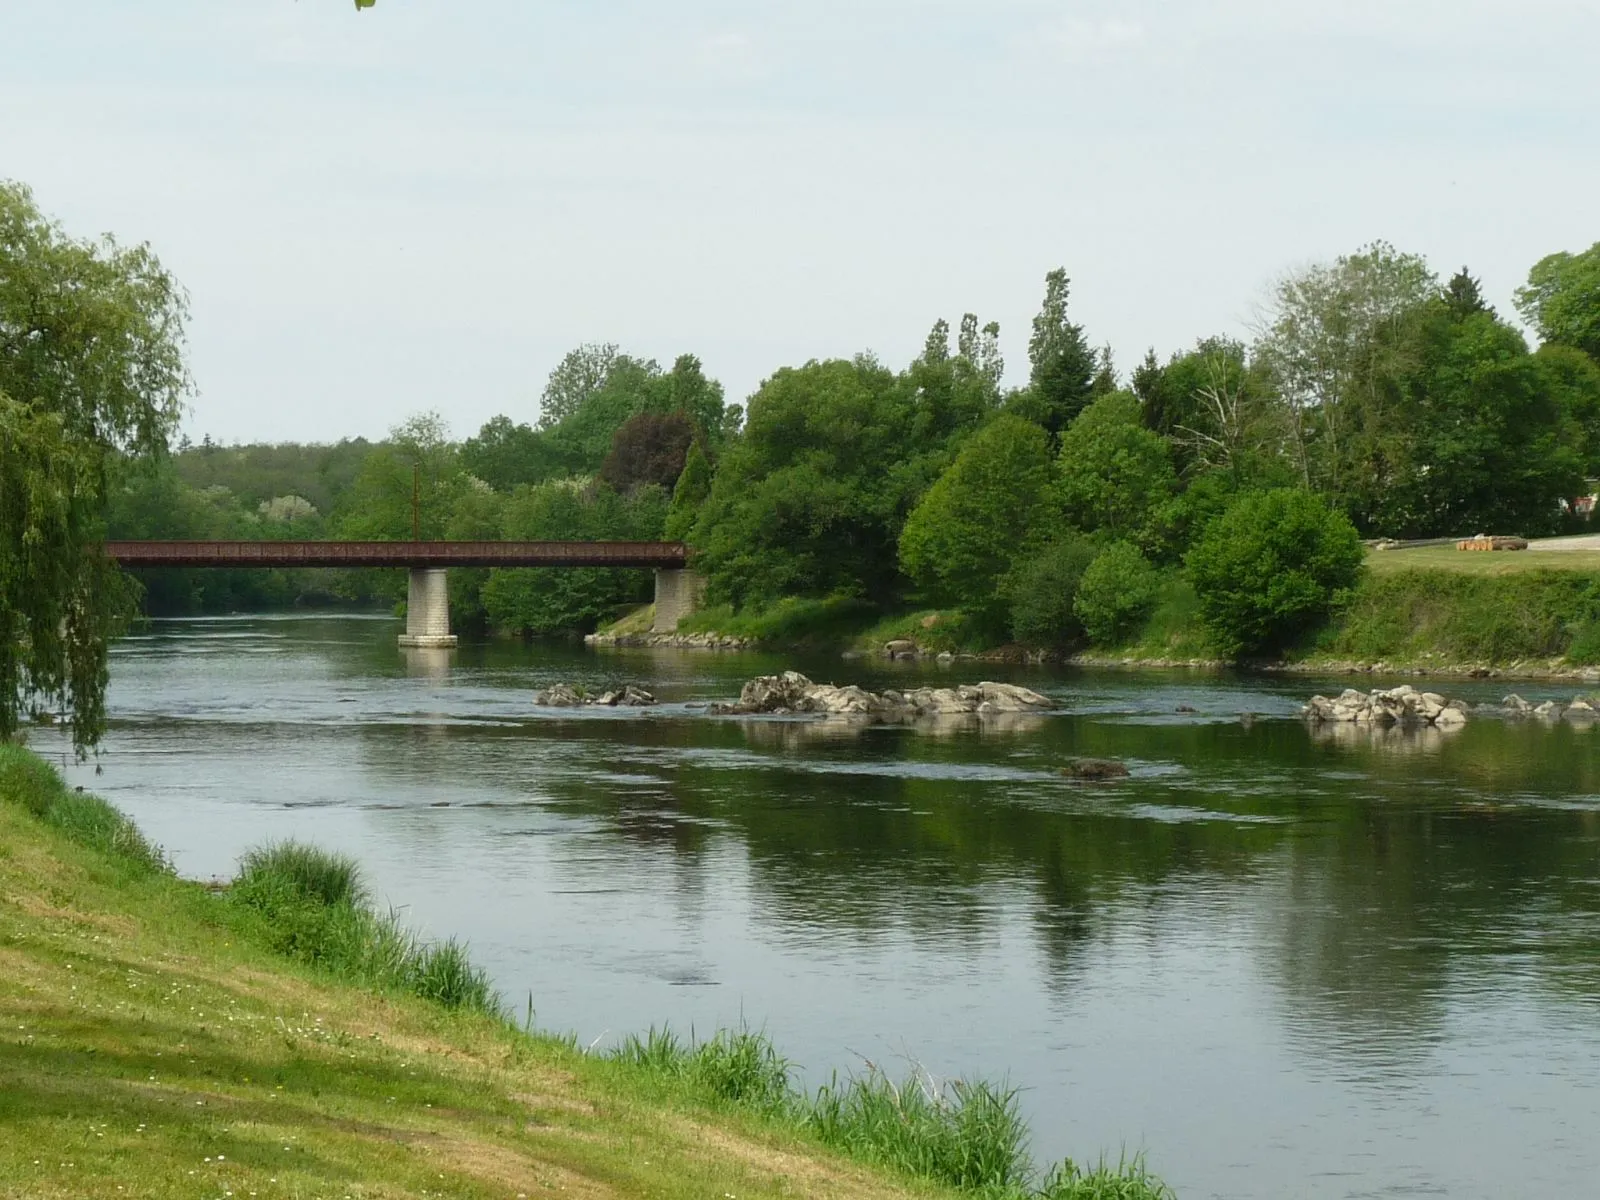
x=1403, y=705
x=1095, y=769
x=792, y=692
x=565, y=695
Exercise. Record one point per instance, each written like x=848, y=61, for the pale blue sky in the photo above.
x=425, y=204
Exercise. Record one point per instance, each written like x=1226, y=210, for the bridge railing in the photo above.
x=658, y=555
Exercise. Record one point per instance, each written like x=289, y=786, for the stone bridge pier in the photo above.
x=678, y=593
x=428, y=609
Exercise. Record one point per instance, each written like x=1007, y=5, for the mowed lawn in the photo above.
x=145, y=1052
x=1584, y=559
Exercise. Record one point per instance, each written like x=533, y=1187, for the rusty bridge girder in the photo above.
x=666, y=556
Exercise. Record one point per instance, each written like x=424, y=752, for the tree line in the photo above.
x=1378, y=399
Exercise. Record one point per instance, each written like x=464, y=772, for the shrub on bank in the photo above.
x=969, y=1136
x=317, y=875
x=313, y=907
x=1043, y=590
x=1271, y=568
x=1117, y=593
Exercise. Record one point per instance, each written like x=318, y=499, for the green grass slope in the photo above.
x=280, y=1040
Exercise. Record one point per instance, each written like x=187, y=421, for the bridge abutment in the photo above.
x=428, y=609
x=678, y=593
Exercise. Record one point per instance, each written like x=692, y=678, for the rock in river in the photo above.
x=1093, y=770
x=792, y=692
x=564, y=695
x=1403, y=705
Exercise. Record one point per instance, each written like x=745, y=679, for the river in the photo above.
x=1279, y=964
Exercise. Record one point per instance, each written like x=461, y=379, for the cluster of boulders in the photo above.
x=792, y=692
x=1582, y=708
x=1408, y=707
x=1403, y=705
x=565, y=695
x=671, y=641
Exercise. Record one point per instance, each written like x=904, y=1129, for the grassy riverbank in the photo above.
x=280, y=1039
x=1437, y=610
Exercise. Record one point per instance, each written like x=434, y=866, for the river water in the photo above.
x=1279, y=965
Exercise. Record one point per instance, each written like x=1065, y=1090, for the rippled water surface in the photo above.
x=1281, y=965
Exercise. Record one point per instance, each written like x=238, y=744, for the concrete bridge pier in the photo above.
x=678, y=593
x=428, y=609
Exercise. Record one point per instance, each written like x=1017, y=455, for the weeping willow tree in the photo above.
x=91, y=367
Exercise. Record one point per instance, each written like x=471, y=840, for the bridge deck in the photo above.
x=661, y=555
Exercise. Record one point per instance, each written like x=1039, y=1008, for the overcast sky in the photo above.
x=424, y=205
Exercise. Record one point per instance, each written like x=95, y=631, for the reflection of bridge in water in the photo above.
x=428, y=598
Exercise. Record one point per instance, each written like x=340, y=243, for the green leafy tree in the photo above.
x=810, y=499
x=378, y=505
x=1562, y=300
x=1340, y=341
x=477, y=514
x=1115, y=475
x=953, y=394
x=1116, y=594
x=689, y=495
x=686, y=389
x=1271, y=567
x=505, y=454
x=1216, y=408
x=582, y=438
x=1573, y=379
x=1463, y=296
x=981, y=348
x=1105, y=374
x=576, y=378
x=91, y=365
x=1491, y=444
x=1064, y=367
x=254, y=473
x=147, y=499
x=989, y=509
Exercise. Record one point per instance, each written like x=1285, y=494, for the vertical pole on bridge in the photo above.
x=428, y=609
x=416, y=502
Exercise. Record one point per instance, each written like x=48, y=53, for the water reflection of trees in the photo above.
x=1373, y=878
x=1380, y=920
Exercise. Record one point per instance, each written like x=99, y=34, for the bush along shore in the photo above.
x=282, y=1036
x=1528, y=622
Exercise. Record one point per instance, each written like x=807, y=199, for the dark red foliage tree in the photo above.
x=648, y=448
